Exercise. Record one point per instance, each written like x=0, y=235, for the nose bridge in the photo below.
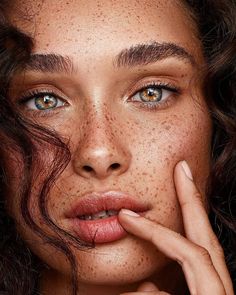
x=101, y=152
x=99, y=129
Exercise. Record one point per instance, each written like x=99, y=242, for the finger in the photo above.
x=199, y=271
x=147, y=287
x=196, y=223
x=146, y=293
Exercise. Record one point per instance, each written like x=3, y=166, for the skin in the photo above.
x=105, y=125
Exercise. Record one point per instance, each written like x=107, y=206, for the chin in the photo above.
x=121, y=263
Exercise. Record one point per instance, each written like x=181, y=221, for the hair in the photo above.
x=19, y=268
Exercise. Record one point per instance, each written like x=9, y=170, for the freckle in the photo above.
x=167, y=127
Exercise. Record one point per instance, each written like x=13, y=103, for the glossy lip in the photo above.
x=107, y=229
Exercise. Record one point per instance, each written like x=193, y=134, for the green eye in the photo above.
x=44, y=102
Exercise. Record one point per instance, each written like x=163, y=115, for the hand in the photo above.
x=199, y=250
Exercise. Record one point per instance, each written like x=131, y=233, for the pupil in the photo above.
x=45, y=102
x=151, y=94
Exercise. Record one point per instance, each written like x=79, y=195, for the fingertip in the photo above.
x=127, y=218
x=129, y=213
x=187, y=170
x=183, y=168
x=183, y=179
x=147, y=287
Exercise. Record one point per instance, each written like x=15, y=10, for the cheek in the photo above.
x=158, y=149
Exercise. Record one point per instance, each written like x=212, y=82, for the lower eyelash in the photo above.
x=155, y=106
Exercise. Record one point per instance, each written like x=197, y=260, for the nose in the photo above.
x=101, y=154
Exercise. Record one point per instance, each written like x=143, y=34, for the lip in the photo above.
x=107, y=229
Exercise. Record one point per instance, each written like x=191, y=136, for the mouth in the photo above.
x=100, y=215
x=94, y=218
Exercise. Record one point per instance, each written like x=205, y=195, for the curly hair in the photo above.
x=217, y=27
x=19, y=268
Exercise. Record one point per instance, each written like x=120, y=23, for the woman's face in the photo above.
x=120, y=80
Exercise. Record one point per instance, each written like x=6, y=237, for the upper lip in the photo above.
x=100, y=201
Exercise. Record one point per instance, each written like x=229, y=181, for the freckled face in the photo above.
x=144, y=118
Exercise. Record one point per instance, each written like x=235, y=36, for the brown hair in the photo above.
x=19, y=267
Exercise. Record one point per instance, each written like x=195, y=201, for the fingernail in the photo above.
x=129, y=212
x=187, y=170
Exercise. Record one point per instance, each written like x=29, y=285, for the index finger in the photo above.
x=190, y=256
x=196, y=222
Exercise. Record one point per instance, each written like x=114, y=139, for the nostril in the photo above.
x=115, y=166
x=87, y=168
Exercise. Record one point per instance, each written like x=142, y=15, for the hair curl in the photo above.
x=19, y=267
x=217, y=26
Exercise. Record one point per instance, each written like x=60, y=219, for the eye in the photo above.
x=150, y=94
x=43, y=101
x=154, y=95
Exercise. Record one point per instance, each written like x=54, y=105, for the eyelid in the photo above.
x=162, y=82
x=159, y=84
x=34, y=93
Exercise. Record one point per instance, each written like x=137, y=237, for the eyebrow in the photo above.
x=144, y=54
x=50, y=63
x=137, y=55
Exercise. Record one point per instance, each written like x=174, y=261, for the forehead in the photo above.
x=99, y=25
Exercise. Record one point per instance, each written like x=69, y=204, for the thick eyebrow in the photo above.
x=143, y=54
x=50, y=63
x=137, y=55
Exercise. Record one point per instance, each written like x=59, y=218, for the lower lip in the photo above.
x=99, y=231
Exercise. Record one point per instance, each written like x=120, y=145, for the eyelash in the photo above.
x=34, y=94
x=156, y=105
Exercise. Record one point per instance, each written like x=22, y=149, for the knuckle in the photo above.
x=197, y=253
x=198, y=197
x=218, y=250
x=202, y=254
x=214, y=246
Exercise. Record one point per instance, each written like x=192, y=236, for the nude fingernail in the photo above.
x=130, y=213
x=187, y=170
